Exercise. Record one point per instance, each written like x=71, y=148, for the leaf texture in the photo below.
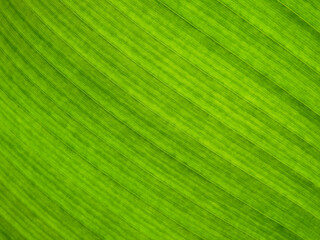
x=160, y=119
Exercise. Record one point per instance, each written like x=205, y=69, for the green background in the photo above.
x=149, y=119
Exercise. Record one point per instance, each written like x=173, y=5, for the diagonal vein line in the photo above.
x=36, y=213
x=168, y=185
x=16, y=210
x=4, y=221
x=199, y=143
x=210, y=76
x=40, y=189
x=270, y=37
x=193, y=104
x=102, y=140
x=94, y=166
x=214, y=40
x=301, y=18
x=189, y=168
x=57, y=203
x=188, y=101
x=160, y=150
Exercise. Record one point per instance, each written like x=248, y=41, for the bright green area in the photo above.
x=160, y=119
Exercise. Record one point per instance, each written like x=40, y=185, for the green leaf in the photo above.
x=160, y=119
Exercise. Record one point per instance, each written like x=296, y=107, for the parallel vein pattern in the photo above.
x=160, y=119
